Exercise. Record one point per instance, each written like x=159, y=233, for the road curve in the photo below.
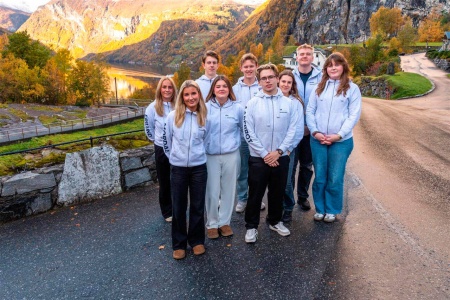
x=395, y=241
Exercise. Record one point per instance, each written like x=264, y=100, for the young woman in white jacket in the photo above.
x=333, y=110
x=184, y=143
x=154, y=120
x=222, y=156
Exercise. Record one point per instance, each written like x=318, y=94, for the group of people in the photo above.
x=216, y=144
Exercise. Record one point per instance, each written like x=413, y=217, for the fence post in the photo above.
x=23, y=136
x=82, y=123
x=92, y=141
x=36, y=130
x=7, y=133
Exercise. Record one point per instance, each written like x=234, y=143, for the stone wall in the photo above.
x=443, y=64
x=375, y=87
x=85, y=176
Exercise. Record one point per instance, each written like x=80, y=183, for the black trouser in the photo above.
x=305, y=173
x=163, y=173
x=260, y=177
x=192, y=179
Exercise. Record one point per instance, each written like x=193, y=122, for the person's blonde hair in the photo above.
x=344, y=81
x=180, y=106
x=268, y=66
x=304, y=46
x=248, y=56
x=211, y=93
x=159, y=106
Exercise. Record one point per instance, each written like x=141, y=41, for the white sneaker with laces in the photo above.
x=251, y=236
x=330, y=218
x=283, y=231
x=240, y=207
x=263, y=206
x=318, y=216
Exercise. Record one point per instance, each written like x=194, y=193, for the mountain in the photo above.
x=11, y=19
x=317, y=22
x=98, y=26
x=27, y=6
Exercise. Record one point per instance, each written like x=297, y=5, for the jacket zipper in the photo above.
x=331, y=104
x=189, y=142
x=220, y=129
x=273, y=123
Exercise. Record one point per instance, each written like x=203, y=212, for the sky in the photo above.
x=23, y=5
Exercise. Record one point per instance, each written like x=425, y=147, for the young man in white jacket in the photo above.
x=270, y=122
x=210, y=62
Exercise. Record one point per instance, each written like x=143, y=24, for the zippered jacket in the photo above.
x=154, y=123
x=270, y=123
x=245, y=92
x=331, y=114
x=300, y=128
x=305, y=90
x=185, y=145
x=205, y=85
x=225, y=123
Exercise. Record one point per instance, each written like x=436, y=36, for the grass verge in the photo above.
x=407, y=84
x=15, y=163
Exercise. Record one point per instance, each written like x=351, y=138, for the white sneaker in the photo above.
x=168, y=219
x=318, y=217
x=240, y=207
x=280, y=229
x=263, y=206
x=251, y=236
x=330, y=218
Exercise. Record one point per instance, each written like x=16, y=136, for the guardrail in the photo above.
x=91, y=139
x=41, y=130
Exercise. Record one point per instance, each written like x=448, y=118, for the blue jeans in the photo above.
x=329, y=166
x=288, y=198
x=192, y=180
x=242, y=180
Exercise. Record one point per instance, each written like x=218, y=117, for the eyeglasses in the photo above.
x=268, y=78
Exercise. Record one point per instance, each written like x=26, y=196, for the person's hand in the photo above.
x=272, y=158
x=332, y=138
x=321, y=138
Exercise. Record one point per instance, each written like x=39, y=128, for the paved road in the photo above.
x=395, y=241
x=110, y=249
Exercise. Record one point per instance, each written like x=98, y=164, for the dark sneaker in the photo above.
x=304, y=203
x=287, y=216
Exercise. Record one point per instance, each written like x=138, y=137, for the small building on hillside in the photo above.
x=290, y=61
x=446, y=41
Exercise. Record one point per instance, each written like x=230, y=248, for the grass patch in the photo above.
x=20, y=114
x=45, y=108
x=3, y=105
x=14, y=163
x=448, y=76
x=408, y=84
x=5, y=117
x=45, y=120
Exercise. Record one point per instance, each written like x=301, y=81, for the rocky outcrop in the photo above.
x=87, y=175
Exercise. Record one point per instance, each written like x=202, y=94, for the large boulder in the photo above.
x=89, y=175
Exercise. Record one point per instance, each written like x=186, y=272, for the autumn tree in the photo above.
x=386, y=22
x=430, y=29
x=407, y=36
x=88, y=82
x=183, y=74
x=32, y=52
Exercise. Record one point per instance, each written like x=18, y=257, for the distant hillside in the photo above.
x=11, y=19
x=99, y=26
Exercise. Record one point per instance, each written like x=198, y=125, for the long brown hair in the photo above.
x=344, y=84
x=211, y=93
x=180, y=107
x=159, y=106
x=293, y=91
